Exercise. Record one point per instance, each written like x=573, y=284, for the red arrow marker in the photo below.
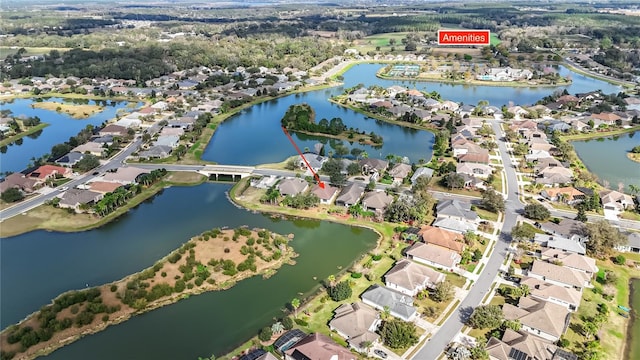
x=320, y=183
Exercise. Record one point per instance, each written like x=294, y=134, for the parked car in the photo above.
x=380, y=353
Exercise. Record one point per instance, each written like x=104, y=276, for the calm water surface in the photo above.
x=61, y=128
x=633, y=347
x=607, y=158
x=204, y=324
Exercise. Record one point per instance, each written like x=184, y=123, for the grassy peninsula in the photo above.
x=76, y=111
x=213, y=260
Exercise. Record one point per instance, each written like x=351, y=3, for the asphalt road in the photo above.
x=33, y=202
x=437, y=344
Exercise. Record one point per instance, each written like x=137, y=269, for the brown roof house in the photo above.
x=77, y=198
x=371, y=165
x=572, y=260
x=357, y=323
x=559, y=275
x=524, y=346
x=544, y=319
x=615, y=200
x=115, y=130
x=317, y=346
x=443, y=238
x=350, y=194
x=564, y=296
x=434, y=255
x=410, y=278
x=326, y=194
x=292, y=186
x=19, y=181
x=376, y=201
x=400, y=171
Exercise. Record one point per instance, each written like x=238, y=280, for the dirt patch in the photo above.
x=74, y=110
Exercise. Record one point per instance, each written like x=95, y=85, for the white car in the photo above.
x=64, y=188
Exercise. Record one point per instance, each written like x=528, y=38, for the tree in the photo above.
x=88, y=162
x=486, y=317
x=287, y=323
x=536, y=212
x=367, y=345
x=479, y=352
x=619, y=260
x=295, y=304
x=277, y=327
x=341, y=291
x=603, y=238
x=443, y=291
x=398, y=334
x=453, y=181
x=265, y=334
x=492, y=200
x=11, y=195
x=521, y=232
x=581, y=216
x=333, y=168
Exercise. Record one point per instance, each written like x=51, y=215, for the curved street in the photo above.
x=452, y=326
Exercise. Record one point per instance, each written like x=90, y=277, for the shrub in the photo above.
x=163, y=274
x=620, y=260
x=105, y=317
x=226, y=250
x=114, y=288
x=74, y=309
x=356, y=275
x=265, y=334
x=301, y=322
x=173, y=258
x=376, y=257
x=287, y=322
x=340, y=291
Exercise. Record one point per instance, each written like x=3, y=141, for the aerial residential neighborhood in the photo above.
x=310, y=181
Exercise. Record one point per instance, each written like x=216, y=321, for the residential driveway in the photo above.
x=390, y=354
x=611, y=214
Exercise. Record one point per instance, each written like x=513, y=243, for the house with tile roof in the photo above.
x=76, y=198
x=326, y=194
x=399, y=305
x=410, y=278
x=317, y=346
x=568, y=195
x=46, y=172
x=541, y=318
x=103, y=187
x=521, y=345
x=357, y=323
x=350, y=195
x=571, y=260
x=565, y=296
x=559, y=275
x=18, y=181
x=434, y=255
x=376, y=201
x=400, y=171
x=292, y=186
x=442, y=238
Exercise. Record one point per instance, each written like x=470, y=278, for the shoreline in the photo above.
x=471, y=82
x=16, y=137
x=146, y=194
x=45, y=348
x=75, y=111
x=595, y=76
x=633, y=157
x=356, y=139
x=632, y=319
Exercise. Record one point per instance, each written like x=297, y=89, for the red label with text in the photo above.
x=464, y=37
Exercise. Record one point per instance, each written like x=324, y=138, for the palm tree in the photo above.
x=367, y=345
x=331, y=280
x=634, y=189
x=277, y=328
x=295, y=304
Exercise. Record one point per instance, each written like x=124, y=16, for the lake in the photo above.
x=633, y=347
x=607, y=158
x=61, y=128
x=39, y=265
x=254, y=136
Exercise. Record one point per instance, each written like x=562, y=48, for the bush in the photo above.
x=376, y=257
x=398, y=334
x=105, y=317
x=173, y=258
x=536, y=212
x=356, y=275
x=301, y=322
x=287, y=322
x=340, y=291
x=265, y=334
x=114, y=288
x=619, y=260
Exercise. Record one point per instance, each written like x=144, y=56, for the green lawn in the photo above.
x=494, y=39
x=486, y=214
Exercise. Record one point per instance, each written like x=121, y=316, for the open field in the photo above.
x=10, y=50
x=76, y=111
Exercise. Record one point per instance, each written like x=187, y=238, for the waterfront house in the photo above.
x=421, y=171
x=559, y=275
x=615, y=200
x=92, y=148
x=156, y=152
x=18, y=181
x=376, y=201
x=357, y=323
x=292, y=186
x=399, y=305
x=77, y=198
x=114, y=130
x=70, y=159
x=103, y=187
x=350, y=194
x=370, y=166
x=434, y=255
x=568, y=297
x=632, y=245
x=171, y=141
x=317, y=346
x=400, y=171
x=125, y=175
x=522, y=345
x=46, y=172
x=410, y=278
x=541, y=318
x=326, y=194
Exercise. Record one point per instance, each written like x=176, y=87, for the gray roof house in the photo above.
x=459, y=226
x=317, y=346
x=74, y=198
x=421, y=171
x=632, y=245
x=399, y=305
x=156, y=152
x=350, y=194
x=410, y=278
x=456, y=209
x=357, y=323
x=168, y=140
x=376, y=201
x=314, y=160
x=371, y=165
x=292, y=186
x=70, y=159
x=400, y=171
x=568, y=228
x=572, y=244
